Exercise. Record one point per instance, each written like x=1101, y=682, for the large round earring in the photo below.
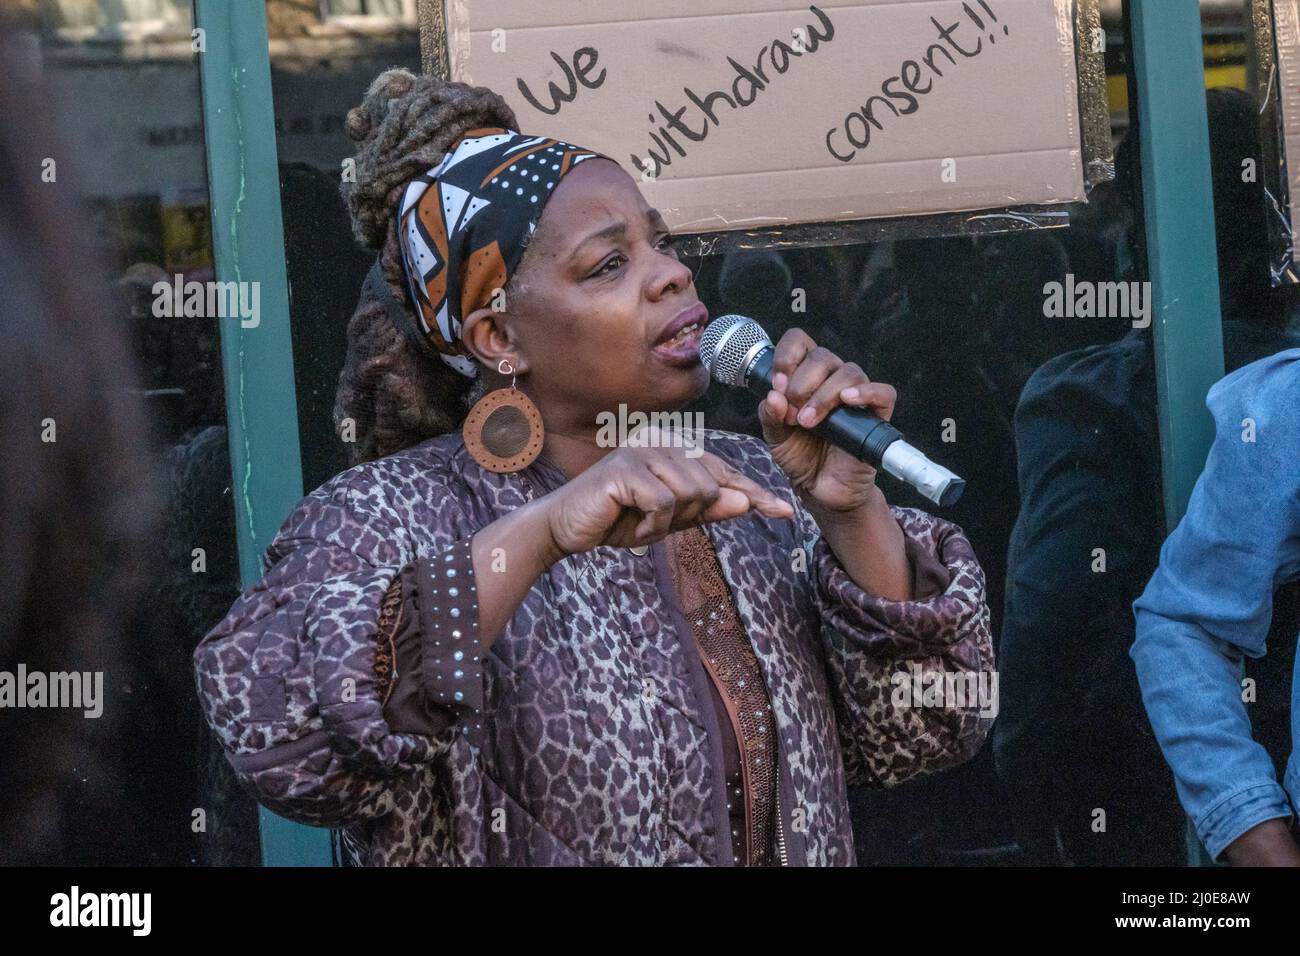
x=503, y=431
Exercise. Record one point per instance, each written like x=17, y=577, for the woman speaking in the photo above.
x=498, y=639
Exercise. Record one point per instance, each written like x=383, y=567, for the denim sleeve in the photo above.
x=1210, y=603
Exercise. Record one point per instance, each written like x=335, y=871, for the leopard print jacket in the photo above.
x=594, y=740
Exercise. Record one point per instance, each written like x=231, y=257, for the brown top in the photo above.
x=738, y=692
x=737, y=689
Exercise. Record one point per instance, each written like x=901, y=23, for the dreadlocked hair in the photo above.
x=390, y=395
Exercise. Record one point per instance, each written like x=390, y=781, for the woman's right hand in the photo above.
x=638, y=495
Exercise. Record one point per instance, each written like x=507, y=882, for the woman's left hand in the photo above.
x=811, y=382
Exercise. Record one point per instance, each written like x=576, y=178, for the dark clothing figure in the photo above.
x=1072, y=737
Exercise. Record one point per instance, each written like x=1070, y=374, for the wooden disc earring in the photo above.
x=503, y=431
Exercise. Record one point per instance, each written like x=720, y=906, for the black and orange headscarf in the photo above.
x=462, y=226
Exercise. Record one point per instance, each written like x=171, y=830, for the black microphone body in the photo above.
x=738, y=352
x=862, y=434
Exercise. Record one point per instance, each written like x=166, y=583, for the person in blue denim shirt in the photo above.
x=1208, y=607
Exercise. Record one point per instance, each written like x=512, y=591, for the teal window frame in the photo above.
x=1178, y=204
x=257, y=363
x=248, y=245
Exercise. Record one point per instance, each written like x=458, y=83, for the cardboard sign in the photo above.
x=742, y=113
x=1286, y=15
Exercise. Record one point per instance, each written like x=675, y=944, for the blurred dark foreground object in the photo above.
x=76, y=496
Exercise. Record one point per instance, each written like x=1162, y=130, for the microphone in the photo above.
x=737, y=351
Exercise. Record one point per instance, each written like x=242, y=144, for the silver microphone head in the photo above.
x=729, y=345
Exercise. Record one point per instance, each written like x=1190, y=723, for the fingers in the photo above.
x=771, y=417
x=809, y=382
x=656, y=501
x=694, y=489
x=708, y=489
x=788, y=353
x=674, y=493
x=817, y=366
x=877, y=396
x=847, y=385
x=767, y=502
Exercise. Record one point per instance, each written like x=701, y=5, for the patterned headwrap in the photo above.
x=463, y=239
